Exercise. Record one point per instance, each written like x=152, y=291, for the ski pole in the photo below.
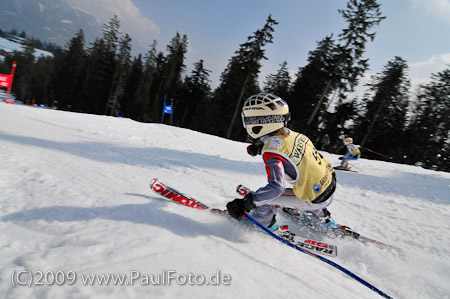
x=337, y=266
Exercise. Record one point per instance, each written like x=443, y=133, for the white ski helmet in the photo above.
x=348, y=140
x=264, y=113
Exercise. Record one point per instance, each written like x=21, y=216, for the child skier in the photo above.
x=289, y=156
x=353, y=152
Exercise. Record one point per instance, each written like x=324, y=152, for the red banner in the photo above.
x=5, y=81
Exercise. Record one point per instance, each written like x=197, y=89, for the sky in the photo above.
x=415, y=30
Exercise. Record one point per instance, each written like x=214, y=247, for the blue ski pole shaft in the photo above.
x=337, y=266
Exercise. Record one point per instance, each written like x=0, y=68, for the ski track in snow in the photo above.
x=75, y=197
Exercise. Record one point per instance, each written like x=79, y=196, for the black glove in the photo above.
x=238, y=207
x=255, y=148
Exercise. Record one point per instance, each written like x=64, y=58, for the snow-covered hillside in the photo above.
x=54, y=21
x=75, y=201
x=10, y=46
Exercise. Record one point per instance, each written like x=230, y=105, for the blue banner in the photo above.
x=167, y=109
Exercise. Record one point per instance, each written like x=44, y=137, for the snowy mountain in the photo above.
x=75, y=202
x=10, y=46
x=48, y=20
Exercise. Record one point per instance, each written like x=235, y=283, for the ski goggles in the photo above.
x=264, y=120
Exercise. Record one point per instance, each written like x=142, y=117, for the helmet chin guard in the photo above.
x=264, y=113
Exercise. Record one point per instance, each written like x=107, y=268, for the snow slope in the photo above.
x=10, y=46
x=75, y=199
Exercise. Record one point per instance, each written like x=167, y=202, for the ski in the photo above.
x=283, y=232
x=174, y=195
x=342, y=231
x=344, y=169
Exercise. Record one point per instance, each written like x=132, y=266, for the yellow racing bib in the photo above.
x=313, y=171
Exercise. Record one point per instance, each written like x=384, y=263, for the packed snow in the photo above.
x=75, y=202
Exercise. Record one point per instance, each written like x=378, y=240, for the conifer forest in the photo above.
x=390, y=122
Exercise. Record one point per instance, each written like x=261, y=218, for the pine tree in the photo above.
x=193, y=108
x=169, y=69
x=361, y=16
x=102, y=69
x=97, y=82
x=240, y=79
x=111, y=34
x=310, y=82
x=24, y=71
x=279, y=83
x=130, y=104
x=175, y=61
x=41, y=80
x=69, y=73
x=123, y=61
x=146, y=107
x=429, y=130
x=157, y=91
x=385, y=116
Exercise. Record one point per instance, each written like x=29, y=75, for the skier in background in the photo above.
x=288, y=156
x=353, y=153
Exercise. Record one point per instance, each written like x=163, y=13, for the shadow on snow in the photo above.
x=152, y=213
x=142, y=156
